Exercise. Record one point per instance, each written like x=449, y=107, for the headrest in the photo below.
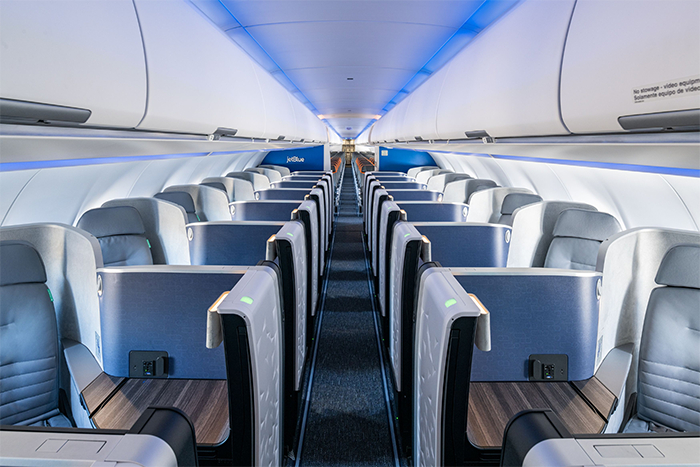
x=20, y=264
x=591, y=225
x=513, y=201
x=217, y=185
x=680, y=267
x=181, y=198
x=108, y=222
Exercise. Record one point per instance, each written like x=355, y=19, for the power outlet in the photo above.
x=549, y=367
x=148, y=364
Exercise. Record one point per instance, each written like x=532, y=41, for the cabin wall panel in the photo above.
x=63, y=194
x=636, y=199
x=75, y=53
x=615, y=47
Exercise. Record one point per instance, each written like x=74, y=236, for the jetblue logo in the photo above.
x=295, y=159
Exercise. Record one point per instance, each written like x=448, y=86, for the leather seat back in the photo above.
x=513, y=201
x=668, y=387
x=578, y=234
x=28, y=338
x=121, y=234
x=459, y=191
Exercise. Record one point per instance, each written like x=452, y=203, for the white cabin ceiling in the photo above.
x=387, y=47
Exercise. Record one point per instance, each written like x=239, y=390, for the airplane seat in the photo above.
x=423, y=176
x=459, y=191
x=235, y=188
x=284, y=171
x=412, y=172
x=184, y=200
x=272, y=175
x=121, y=234
x=210, y=204
x=513, y=201
x=29, y=353
x=578, y=234
x=259, y=181
x=668, y=381
x=438, y=182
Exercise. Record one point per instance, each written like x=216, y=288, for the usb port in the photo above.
x=548, y=371
x=149, y=368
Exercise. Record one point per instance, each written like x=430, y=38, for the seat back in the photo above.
x=210, y=204
x=668, y=386
x=28, y=338
x=272, y=175
x=121, y=234
x=236, y=189
x=513, y=201
x=259, y=181
x=184, y=200
x=412, y=172
x=284, y=171
x=578, y=234
x=438, y=182
x=459, y=191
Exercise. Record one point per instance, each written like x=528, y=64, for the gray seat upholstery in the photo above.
x=235, y=188
x=121, y=234
x=284, y=171
x=438, y=182
x=668, y=382
x=272, y=175
x=29, y=383
x=459, y=191
x=578, y=234
x=259, y=181
x=513, y=201
x=181, y=199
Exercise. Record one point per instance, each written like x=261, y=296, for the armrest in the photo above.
x=82, y=366
x=614, y=369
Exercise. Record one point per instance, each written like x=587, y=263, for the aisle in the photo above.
x=347, y=422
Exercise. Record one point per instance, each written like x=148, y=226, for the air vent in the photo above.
x=679, y=120
x=14, y=111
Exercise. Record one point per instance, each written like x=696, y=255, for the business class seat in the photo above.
x=459, y=191
x=412, y=172
x=185, y=201
x=578, y=234
x=272, y=175
x=438, y=182
x=259, y=181
x=513, y=201
x=121, y=234
x=235, y=189
x=284, y=171
x=210, y=204
x=423, y=176
x=29, y=354
x=668, y=381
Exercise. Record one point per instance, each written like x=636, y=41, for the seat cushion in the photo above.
x=577, y=237
x=668, y=387
x=28, y=339
x=121, y=234
x=637, y=425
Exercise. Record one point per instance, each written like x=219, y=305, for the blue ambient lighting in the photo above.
x=488, y=12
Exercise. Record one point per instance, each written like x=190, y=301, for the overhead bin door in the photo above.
x=86, y=55
x=630, y=58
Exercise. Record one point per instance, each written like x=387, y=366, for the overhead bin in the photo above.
x=628, y=66
x=84, y=55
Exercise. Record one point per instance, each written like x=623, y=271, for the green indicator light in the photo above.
x=198, y=219
x=50, y=295
x=450, y=302
x=406, y=235
x=290, y=234
x=148, y=243
x=247, y=300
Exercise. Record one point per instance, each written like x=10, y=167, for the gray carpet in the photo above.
x=347, y=422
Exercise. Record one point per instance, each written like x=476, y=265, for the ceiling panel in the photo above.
x=312, y=47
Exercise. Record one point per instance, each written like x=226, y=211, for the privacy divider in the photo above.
x=474, y=245
x=282, y=194
x=426, y=211
x=232, y=242
x=156, y=308
x=416, y=195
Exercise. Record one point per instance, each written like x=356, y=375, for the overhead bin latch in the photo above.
x=221, y=131
x=479, y=134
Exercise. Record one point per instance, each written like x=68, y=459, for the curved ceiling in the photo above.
x=350, y=61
